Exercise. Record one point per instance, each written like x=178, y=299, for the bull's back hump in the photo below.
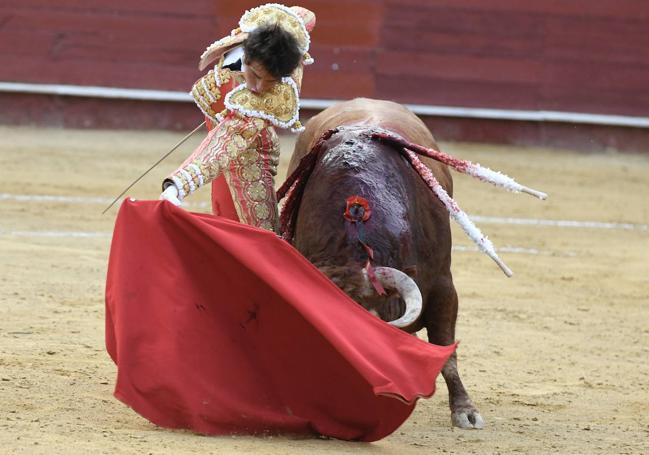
x=372, y=113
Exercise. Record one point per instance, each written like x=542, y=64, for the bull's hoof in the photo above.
x=467, y=419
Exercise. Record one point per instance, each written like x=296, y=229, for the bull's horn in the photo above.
x=407, y=288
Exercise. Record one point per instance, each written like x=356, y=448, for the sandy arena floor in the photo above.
x=556, y=358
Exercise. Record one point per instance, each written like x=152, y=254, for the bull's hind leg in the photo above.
x=440, y=317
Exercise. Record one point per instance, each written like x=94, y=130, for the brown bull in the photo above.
x=408, y=228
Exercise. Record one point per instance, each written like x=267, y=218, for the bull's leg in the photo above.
x=440, y=317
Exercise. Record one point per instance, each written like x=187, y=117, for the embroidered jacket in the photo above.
x=242, y=145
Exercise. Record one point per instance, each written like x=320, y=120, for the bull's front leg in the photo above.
x=464, y=414
x=440, y=317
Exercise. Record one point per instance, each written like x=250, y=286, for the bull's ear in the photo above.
x=411, y=271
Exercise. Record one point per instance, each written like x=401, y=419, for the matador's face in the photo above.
x=258, y=79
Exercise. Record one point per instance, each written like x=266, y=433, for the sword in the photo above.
x=156, y=163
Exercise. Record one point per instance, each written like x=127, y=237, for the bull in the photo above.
x=366, y=218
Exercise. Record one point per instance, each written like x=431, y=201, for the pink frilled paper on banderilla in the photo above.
x=223, y=328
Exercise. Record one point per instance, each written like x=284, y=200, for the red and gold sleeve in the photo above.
x=224, y=143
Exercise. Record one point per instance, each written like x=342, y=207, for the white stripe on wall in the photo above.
x=319, y=104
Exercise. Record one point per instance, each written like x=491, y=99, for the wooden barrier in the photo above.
x=554, y=55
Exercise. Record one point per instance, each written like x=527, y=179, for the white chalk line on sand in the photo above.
x=46, y=198
x=81, y=234
x=477, y=218
x=513, y=250
x=73, y=199
x=558, y=223
x=57, y=234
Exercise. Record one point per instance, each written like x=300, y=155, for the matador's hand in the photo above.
x=171, y=194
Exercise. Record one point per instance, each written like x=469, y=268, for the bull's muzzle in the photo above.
x=406, y=287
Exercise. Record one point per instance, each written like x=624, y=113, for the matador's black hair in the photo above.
x=275, y=48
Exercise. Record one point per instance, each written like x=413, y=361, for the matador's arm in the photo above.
x=226, y=141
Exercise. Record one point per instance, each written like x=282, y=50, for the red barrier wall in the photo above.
x=561, y=55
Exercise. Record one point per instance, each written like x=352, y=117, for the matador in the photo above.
x=253, y=88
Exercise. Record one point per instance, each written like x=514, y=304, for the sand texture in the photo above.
x=556, y=358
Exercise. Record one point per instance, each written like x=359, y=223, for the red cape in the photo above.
x=224, y=328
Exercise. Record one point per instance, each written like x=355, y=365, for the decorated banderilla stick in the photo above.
x=156, y=163
x=464, y=166
x=484, y=244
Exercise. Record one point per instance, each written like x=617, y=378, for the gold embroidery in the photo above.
x=248, y=166
x=225, y=75
x=249, y=156
x=203, y=105
x=251, y=173
x=249, y=132
x=262, y=211
x=280, y=102
x=205, y=171
x=257, y=191
x=297, y=76
x=258, y=123
x=273, y=152
x=267, y=225
x=232, y=149
x=223, y=160
x=239, y=141
x=205, y=98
